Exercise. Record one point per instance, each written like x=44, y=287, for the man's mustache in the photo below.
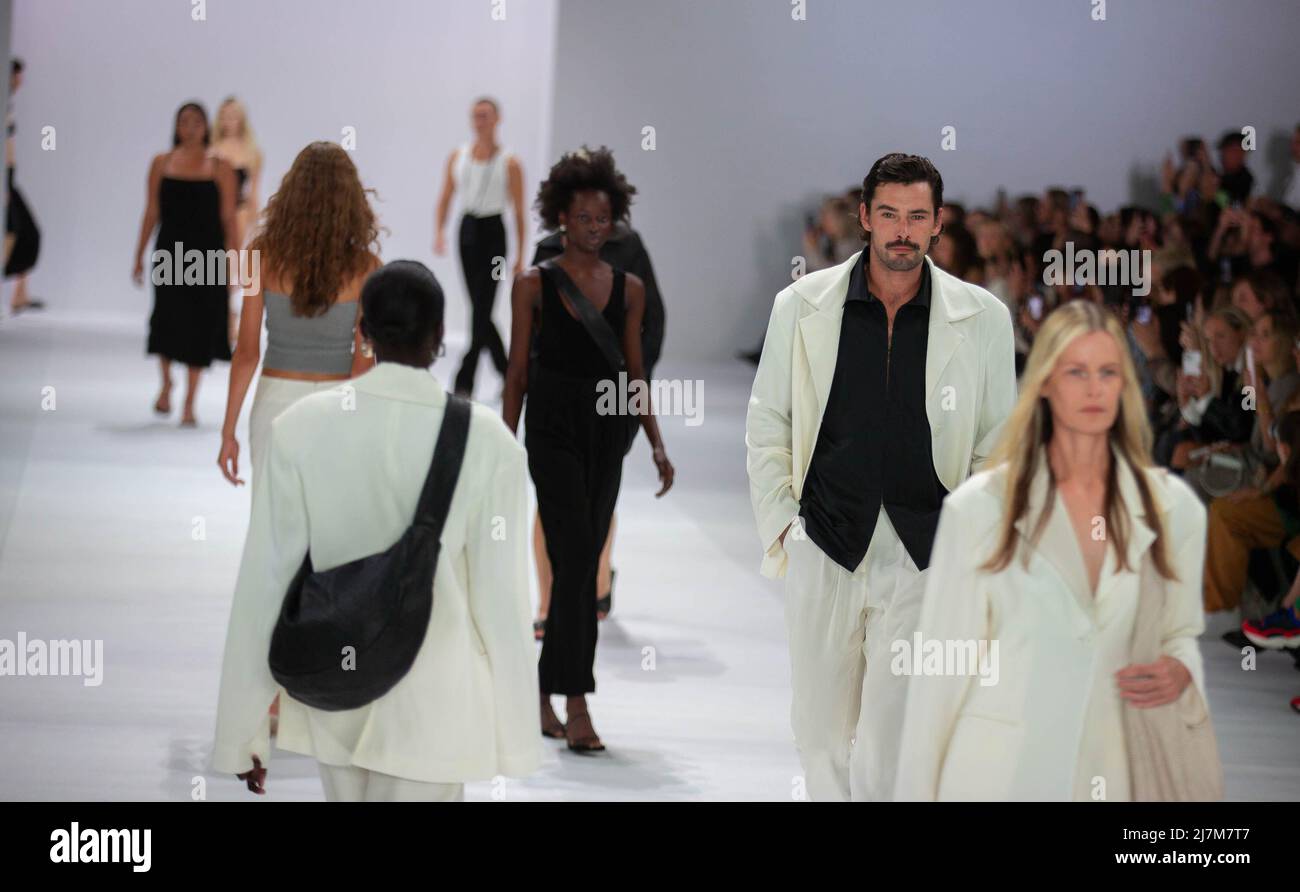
x=914, y=247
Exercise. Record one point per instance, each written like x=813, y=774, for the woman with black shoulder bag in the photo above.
x=389, y=605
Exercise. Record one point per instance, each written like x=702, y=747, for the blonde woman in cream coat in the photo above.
x=1040, y=555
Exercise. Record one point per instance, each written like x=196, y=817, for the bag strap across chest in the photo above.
x=592, y=319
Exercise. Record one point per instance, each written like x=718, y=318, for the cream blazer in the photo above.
x=344, y=472
x=970, y=386
x=1051, y=726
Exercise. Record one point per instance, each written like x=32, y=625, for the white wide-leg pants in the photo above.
x=271, y=397
x=847, y=705
x=348, y=783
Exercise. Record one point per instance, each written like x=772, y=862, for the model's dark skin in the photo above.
x=421, y=358
x=587, y=223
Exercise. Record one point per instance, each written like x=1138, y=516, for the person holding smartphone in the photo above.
x=1210, y=393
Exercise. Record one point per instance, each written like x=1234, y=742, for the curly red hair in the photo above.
x=318, y=230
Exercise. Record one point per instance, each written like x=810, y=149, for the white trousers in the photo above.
x=348, y=783
x=271, y=397
x=847, y=706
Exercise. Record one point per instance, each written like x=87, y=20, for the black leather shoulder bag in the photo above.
x=347, y=635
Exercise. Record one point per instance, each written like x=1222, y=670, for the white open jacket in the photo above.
x=1051, y=728
x=344, y=472
x=970, y=387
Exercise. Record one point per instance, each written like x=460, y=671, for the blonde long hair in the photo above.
x=245, y=134
x=1029, y=429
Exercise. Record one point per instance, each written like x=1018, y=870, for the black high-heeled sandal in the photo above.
x=588, y=744
x=552, y=727
x=605, y=605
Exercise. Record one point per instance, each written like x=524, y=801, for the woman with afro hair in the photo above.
x=575, y=439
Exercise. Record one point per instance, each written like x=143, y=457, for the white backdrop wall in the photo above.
x=757, y=115
x=110, y=75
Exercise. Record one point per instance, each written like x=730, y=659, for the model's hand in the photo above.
x=1153, y=684
x=137, y=272
x=440, y=244
x=228, y=459
x=255, y=778
x=665, y=468
x=518, y=267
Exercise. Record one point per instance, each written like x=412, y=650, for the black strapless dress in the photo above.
x=190, y=323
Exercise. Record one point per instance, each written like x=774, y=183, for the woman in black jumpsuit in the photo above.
x=575, y=452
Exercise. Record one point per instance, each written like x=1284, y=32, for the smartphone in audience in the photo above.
x=1191, y=363
x=1036, y=308
x=1144, y=314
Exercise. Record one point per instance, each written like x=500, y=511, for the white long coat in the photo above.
x=1050, y=728
x=344, y=472
x=970, y=387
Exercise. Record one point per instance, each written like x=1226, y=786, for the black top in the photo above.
x=873, y=446
x=624, y=250
x=563, y=343
x=241, y=180
x=1225, y=418
x=189, y=212
x=1237, y=184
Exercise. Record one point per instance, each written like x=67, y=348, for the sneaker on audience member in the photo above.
x=1280, y=628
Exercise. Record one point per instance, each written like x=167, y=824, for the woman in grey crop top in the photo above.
x=308, y=266
x=313, y=341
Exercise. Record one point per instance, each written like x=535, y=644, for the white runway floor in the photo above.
x=100, y=500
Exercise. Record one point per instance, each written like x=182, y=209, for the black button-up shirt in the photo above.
x=873, y=447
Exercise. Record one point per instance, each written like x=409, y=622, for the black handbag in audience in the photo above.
x=347, y=635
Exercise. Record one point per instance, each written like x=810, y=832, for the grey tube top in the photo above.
x=321, y=344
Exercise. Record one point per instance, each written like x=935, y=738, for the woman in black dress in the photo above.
x=575, y=450
x=191, y=202
x=22, y=236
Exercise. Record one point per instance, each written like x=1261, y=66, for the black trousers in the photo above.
x=575, y=457
x=482, y=240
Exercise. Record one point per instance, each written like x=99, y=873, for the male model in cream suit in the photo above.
x=344, y=472
x=883, y=383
